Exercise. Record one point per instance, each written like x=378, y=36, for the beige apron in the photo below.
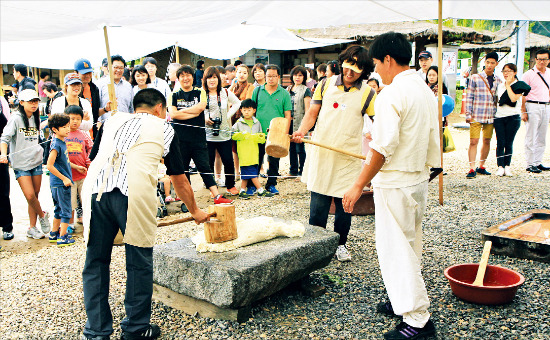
x=327, y=172
x=142, y=161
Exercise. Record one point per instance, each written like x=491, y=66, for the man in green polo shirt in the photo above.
x=273, y=101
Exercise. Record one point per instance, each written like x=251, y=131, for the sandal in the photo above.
x=168, y=199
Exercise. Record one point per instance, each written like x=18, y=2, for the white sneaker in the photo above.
x=500, y=171
x=35, y=233
x=507, y=171
x=342, y=254
x=221, y=182
x=45, y=223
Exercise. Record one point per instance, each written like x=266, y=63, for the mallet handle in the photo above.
x=181, y=220
x=334, y=149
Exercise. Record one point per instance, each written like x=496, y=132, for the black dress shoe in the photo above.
x=542, y=167
x=534, y=169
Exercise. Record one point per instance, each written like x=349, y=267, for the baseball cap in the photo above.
x=27, y=95
x=424, y=54
x=72, y=78
x=83, y=66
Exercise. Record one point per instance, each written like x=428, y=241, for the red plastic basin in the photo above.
x=499, y=285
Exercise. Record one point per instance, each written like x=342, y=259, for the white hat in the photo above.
x=27, y=95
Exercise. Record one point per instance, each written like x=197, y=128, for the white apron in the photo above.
x=328, y=172
x=142, y=161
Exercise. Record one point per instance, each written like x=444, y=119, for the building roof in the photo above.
x=367, y=32
x=532, y=40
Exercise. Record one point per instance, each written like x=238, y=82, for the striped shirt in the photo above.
x=125, y=138
x=480, y=102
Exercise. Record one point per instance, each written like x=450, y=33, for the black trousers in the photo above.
x=506, y=129
x=198, y=152
x=273, y=170
x=226, y=155
x=297, y=155
x=6, y=218
x=319, y=207
x=108, y=216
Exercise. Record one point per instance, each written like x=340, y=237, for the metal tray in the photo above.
x=526, y=236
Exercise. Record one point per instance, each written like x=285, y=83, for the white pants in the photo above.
x=398, y=221
x=535, y=136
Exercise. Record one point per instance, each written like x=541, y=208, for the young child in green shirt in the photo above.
x=248, y=134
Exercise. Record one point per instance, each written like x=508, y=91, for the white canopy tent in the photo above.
x=39, y=20
x=61, y=52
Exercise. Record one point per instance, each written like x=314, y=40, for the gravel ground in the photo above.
x=42, y=287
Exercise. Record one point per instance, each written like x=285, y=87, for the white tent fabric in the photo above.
x=336, y=13
x=61, y=53
x=39, y=20
x=38, y=32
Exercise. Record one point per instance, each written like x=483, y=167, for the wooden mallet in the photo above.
x=278, y=141
x=221, y=229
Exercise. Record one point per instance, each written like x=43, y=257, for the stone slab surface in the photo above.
x=239, y=277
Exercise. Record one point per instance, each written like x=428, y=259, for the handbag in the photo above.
x=448, y=143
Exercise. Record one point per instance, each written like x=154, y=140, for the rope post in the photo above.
x=176, y=47
x=111, y=86
x=440, y=92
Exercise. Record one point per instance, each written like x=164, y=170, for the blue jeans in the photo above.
x=506, y=129
x=32, y=172
x=297, y=156
x=63, y=208
x=318, y=215
x=108, y=216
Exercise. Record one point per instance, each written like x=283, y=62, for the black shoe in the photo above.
x=534, y=169
x=482, y=171
x=99, y=337
x=8, y=235
x=152, y=332
x=471, y=174
x=542, y=167
x=184, y=208
x=385, y=308
x=405, y=331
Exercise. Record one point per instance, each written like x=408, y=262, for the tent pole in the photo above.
x=111, y=86
x=177, y=53
x=1, y=80
x=440, y=91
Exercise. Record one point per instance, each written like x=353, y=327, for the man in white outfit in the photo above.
x=405, y=145
x=536, y=112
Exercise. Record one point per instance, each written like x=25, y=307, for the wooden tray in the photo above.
x=526, y=236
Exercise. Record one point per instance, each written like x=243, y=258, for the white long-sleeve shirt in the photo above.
x=405, y=132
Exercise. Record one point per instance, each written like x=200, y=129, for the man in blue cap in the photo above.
x=89, y=90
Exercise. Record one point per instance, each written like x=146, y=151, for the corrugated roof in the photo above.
x=411, y=29
x=532, y=40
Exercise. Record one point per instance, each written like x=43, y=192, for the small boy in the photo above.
x=79, y=145
x=60, y=179
x=248, y=134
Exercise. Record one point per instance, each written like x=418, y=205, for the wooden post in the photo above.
x=177, y=53
x=311, y=56
x=111, y=86
x=62, y=78
x=475, y=61
x=440, y=92
x=35, y=75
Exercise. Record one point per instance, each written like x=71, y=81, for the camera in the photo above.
x=216, y=126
